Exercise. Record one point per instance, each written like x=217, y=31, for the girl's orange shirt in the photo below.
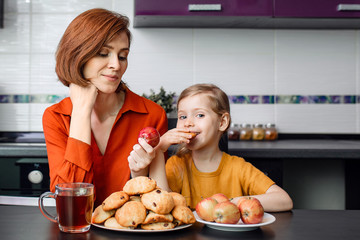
x=234, y=177
x=71, y=160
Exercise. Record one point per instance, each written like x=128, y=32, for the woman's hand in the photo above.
x=140, y=158
x=83, y=98
x=174, y=136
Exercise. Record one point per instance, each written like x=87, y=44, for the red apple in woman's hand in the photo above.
x=205, y=209
x=151, y=136
x=226, y=212
x=251, y=210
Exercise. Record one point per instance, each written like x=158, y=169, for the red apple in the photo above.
x=240, y=201
x=251, y=210
x=151, y=136
x=205, y=209
x=219, y=197
x=226, y=212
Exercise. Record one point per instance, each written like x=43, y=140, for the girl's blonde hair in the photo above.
x=218, y=98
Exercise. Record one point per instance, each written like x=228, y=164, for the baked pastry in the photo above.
x=158, y=201
x=135, y=198
x=183, y=214
x=131, y=214
x=112, y=223
x=100, y=215
x=179, y=200
x=193, y=135
x=155, y=217
x=139, y=185
x=115, y=200
x=158, y=226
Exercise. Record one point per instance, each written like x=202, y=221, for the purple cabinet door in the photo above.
x=317, y=8
x=203, y=8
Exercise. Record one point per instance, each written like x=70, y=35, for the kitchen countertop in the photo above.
x=297, y=148
x=23, y=150
x=288, y=148
x=26, y=222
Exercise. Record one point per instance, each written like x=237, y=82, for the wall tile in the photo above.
x=241, y=62
x=47, y=30
x=14, y=78
x=324, y=60
x=162, y=41
x=316, y=118
x=68, y=6
x=43, y=77
x=253, y=113
x=305, y=81
x=17, y=6
x=143, y=75
x=15, y=36
x=36, y=113
x=14, y=117
x=124, y=7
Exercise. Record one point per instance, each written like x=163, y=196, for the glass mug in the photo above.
x=74, y=206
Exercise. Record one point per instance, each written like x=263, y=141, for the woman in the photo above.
x=92, y=135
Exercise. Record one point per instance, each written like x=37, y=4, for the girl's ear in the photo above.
x=224, y=122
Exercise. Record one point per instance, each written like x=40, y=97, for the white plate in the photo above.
x=240, y=226
x=138, y=230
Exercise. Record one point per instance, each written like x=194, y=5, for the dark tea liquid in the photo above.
x=74, y=211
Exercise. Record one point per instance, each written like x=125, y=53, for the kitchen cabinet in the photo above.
x=295, y=14
x=317, y=8
x=204, y=7
x=317, y=14
x=200, y=13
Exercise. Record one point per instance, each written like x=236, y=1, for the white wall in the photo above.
x=241, y=61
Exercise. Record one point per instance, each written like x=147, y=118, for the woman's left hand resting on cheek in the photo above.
x=140, y=158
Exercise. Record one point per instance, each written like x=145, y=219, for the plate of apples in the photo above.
x=219, y=213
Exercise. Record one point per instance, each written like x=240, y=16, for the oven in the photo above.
x=24, y=166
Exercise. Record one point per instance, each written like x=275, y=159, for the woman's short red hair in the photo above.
x=83, y=39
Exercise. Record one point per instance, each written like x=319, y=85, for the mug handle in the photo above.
x=42, y=208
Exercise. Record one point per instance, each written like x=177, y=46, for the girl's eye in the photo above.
x=200, y=115
x=182, y=117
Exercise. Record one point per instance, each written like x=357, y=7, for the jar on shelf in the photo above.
x=245, y=131
x=234, y=132
x=271, y=132
x=258, y=132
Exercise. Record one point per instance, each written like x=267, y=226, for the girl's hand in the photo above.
x=174, y=136
x=141, y=156
x=83, y=98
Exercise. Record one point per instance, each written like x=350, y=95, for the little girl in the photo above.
x=200, y=169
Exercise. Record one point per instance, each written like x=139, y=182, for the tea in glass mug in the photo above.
x=74, y=206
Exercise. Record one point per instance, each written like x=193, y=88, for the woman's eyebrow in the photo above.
x=111, y=47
